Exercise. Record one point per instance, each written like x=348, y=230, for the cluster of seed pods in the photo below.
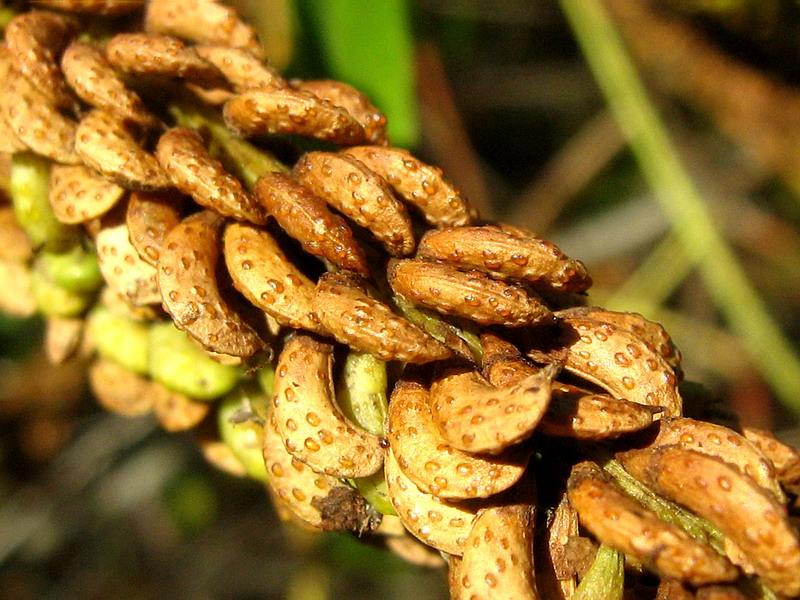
x=342, y=325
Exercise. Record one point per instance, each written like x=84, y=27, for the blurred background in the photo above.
x=528, y=107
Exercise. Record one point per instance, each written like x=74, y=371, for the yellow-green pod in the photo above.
x=260, y=402
x=374, y=489
x=54, y=300
x=179, y=364
x=243, y=432
x=362, y=393
x=605, y=578
x=120, y=339
x=76, y=269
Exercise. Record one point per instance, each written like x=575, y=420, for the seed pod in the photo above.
x=365, y=197
x=191, y=168
x=9, y=142
x=440, y=524
x=354, y=318
x=283, y=111
x=105, y=144
x=77, y=194
x=243, y=432
x=189, y=290
x=622, y=523
x=361, y=392
x=506, y=256
x=267, y=278
x=202, y=21
x=54, y=299
x=411, y=550
x=242, y=69
x=354, y=102
x=555, y=570
x=120, y=339
x=175, y=411
x=470, y=295
x=785, y=459
x=742, y=511
x=16, y=297
x=120, y=390
x=422, y=185
x=94, y=7
x=150, y=217
x=308, y=219
x=16, y=246
x=121, y=267
x=498, y=556
x=312, y=426
x=97, y=83
x=475, y=416
x=63, y=337
x=431, y=463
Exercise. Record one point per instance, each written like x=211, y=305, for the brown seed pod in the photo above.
x=505, y=256
x=120, y=390
x=440, y=524
x=475, y=416
x=242, y=69
x=411, y=550
x=268, y=279
x=189, y=290
x=365, y=197
x=284, y=111
x=77, y=194
x=353, y=101
x=785, y=459
x=94, y=7
x=150, y=217
x=311, y=424
x=470, y=295
x=9, y=142
x=175, y=411
x=16, y=246
x=740, y=509
x=191, y=168
x=97, y=83
x=555, y=571
x=617, y=520
x=16, y=298
x=498, y=556
x=308, y=219
x=105, y=144
x=422, y=185
x=431, y=463
x=63, y=337
x=364, y=323
x=35, y=39
x=123, y=270
x=201, y=21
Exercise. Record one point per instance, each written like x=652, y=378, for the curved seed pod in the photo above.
x=16, y=246
x=97, y=83
x=243, y=431
x=506, y=256
x=475, y=416
x=220, y=456
x=411, y=550
x=120, y=390
x=242, y=69
x=109, y=298
x=154, y=54
x=470, y=295
x=55, y=300
x=742, y=511
x=312, y=426
x=440, y=524
x=9, y=142
x=189, y=290
x=284, y=111
x=191, y=168
x=150, y=217
x=351, y=188
x=267, y=278
x=555, y=569
x=422, y=185
x=785, y=459
x=35, y=38
x=308, y=219
x=498, y=556
x=75, y=269
x=94, y=7
x=106, y=145
x=120, y=339
x=77, y=194
x=354, y=318
x=353, y=101
x=431, y=463
x=361, y=392
x=202, y=21
x=619, y=521
x=123, y=270
x=175, y=411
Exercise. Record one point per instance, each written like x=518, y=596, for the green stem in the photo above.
x=692, y=222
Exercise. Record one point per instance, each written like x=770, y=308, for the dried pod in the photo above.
x=351, y=188
x=308, y=219
x=191, y=168
x=267, y=278
x=617, y=520
x=241, y=69
x=555, y=571
x=120, y=390
x=16, y=246
x=506, y=256
x=175, y=411
x=470, y=295
x=105, y=144
x=411, y=550
x=202, y=21
x=77, y=194
x=150, y=217
x=431, y=463
x=353, y=101
x=740, y=509
x=440, y=524
x=154, y=54
x=63, y=337
x=93, y=7
x=9, y=142
x=97, y=83
x=130, y=276
x=311, y=424
x=785, y=459
x=475, y=416
x=498, y=556
x=284, y=111
x=354, y=318
x=16, y=297
x=422, y=185
x=189, y=290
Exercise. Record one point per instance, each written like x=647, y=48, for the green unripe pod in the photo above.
x=54, y=300
x=120, y=339
x=243, y=432
x=362, y=397
x=76, y=269
x=605, y=578
x=375, y=491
